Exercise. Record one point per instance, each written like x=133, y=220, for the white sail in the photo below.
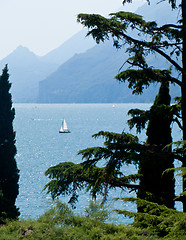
x=64, y=128
x=61, y=129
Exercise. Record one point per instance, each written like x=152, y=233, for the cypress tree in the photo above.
x=151, y=167
x=9, y=173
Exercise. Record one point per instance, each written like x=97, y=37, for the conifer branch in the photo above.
x=178, y=122
x=112, y=26
x=159, y=76
x=118, y=183
x=166, y=56
x=169, y=26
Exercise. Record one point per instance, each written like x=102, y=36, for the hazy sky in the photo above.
x=43, y=25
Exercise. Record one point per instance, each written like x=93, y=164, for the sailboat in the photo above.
x=64, y=128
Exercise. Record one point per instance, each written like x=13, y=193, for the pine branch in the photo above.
x=158, y=76
x=149, y=45
x=116, y=29
x=178, y=122
x=169, y=26
x=166, y=56
x=180, y=198
x=118, y=183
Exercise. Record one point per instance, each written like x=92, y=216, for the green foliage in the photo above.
x=119, y=150
x=97, y=211
x=117, y=24
x=157, y=218
x=179, y=149
x=62, y=224
x=144, y=38
x=138, y=79
x=180, y=171
x=160, y=117
x=156, y=185
x=160, y=38
x=9, y=174
x=68, y=178
x=138, y=120
x=116, y=27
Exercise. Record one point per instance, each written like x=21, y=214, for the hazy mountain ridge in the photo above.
x=89, y=77
x=78, y=72
x=78, y=43
x=26, y=69
x=82, y=77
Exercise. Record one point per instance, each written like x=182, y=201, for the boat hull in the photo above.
x=64, y=131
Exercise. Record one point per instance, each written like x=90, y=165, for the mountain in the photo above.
x=79, y=70
x=89, y=76
x=26, y=69
x=78, y=43
x=84, y=78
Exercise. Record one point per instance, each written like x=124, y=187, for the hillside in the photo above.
x=27, y=69
x=79, y=70
x=78, y=43
x=89, y=77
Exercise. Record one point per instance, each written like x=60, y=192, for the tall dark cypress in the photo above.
x=183, y=90
x=160, y=186
x=9, y=173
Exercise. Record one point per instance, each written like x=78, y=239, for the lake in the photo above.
x=40, y=146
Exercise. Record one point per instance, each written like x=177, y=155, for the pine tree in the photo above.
x=168, y=41
x=9, y=173
x=120, y=149
x=152, y=159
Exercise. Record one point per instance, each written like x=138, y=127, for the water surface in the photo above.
x=40, y=145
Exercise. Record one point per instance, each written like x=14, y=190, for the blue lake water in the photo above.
x=40, y=146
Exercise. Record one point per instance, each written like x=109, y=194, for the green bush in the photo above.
x=60, y=223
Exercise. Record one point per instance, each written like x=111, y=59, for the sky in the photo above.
x=43, y=25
